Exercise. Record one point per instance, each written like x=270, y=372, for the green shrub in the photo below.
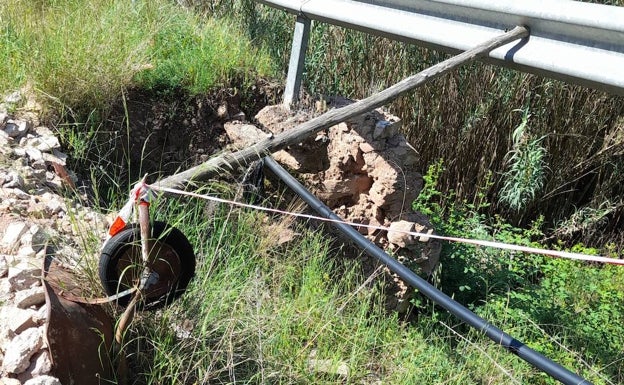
x=471, y=273
x=568, y=310
x=573, y=315
x=526, y=169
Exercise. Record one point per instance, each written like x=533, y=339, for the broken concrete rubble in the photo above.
x=30, y=212
x=243, y=134
x=21, y=349
x=43, y=380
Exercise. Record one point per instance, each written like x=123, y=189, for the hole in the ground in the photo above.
x=161, y=134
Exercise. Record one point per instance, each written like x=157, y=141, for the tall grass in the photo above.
x=82, y=54
x=262, y=312
x=526, y=172
x=259, y=312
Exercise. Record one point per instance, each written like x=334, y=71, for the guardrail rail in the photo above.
x=580, y=43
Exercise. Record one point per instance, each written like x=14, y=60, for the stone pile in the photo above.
x=365, y=171
x=33, y=213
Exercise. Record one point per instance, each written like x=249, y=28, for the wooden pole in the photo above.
x=230, y=161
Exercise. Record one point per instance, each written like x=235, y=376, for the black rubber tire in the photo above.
x=120, y=264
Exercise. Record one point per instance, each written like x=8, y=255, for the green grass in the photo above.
x=80, y=59
x=258, y=312
x=83, y=54
x=195, y=54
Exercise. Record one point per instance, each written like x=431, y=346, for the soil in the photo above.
x=161, y=134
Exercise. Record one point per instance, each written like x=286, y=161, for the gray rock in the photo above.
x=44, y=143
x=6, y=336
x=40, y=164
x=386, y=129
x=13, y=180
x=4, y=266
x=43, y=380
x=39, y=175
x=25, y=274
x=19, y=152
x=399, y=233
x=60, y=155
x=18, y=194
x=38, y=237
x=42, y=315
x=5, y=141
x=26, y=252
x=53, y=181
x=21, y=348
x=13, y=98
x=54, y=207
x=16, y=128
x=13, y=235
x=34, y=296
x=43, y=131
x=6, y=294
x=34, y=154
x=17, y=320
x=10, y=381
x=243, y=135
x=56, y=157
x=40, y=365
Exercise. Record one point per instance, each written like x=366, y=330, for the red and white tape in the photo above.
x=477, y=242
x=141, y=192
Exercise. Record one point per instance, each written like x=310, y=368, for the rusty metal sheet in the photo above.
x=79, y=335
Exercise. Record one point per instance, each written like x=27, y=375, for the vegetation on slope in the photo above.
x=259, y=311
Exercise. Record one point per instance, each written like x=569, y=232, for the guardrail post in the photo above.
x=297, y=60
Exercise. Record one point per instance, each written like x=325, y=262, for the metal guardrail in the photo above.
x=576, y=42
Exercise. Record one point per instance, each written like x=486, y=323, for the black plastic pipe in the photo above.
x=516, y=347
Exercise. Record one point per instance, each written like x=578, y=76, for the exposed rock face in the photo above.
x=32, y=213
x=364, y=170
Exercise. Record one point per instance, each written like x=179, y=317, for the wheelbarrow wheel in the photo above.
x=173, y=265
